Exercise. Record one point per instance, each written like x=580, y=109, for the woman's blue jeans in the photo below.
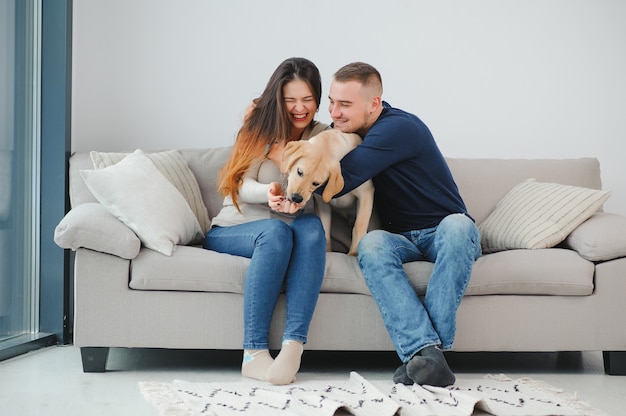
x=293, y=254
x=453, y=246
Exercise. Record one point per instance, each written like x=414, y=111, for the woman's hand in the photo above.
x=278, y=202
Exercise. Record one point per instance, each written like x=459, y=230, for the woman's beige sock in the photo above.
x=255, y=364
x=286, y=364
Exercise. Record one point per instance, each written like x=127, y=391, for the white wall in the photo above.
x=492, y=78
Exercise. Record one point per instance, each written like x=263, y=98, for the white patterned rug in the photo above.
x=360, y=397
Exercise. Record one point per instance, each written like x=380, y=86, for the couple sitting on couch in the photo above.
x=422, y=214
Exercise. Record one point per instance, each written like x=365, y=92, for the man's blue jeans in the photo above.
x=291, y=253
x=453, y=246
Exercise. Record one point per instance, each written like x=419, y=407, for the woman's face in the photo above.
x=299, y=102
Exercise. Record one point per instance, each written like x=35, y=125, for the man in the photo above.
x=423, y=217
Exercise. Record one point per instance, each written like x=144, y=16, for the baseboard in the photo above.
x=22, y=344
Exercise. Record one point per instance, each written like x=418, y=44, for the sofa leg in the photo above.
x=615, y=362
x=94, y=359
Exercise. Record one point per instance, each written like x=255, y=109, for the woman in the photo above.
x=257, y=222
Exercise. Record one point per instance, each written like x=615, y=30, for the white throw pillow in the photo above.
x=538, y=215
x=174, y=167
x=136, y=193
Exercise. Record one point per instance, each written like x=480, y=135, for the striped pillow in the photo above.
x=174, y=167
x=538, y=215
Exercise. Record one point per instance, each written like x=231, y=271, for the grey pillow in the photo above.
x=601, y=237
x=92, y=226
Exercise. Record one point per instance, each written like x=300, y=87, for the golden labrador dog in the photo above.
x=311, y=163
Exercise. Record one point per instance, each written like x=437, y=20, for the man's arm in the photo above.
x=383, y=146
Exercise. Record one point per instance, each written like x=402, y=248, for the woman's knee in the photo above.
x=308, y=228
x=276, y=233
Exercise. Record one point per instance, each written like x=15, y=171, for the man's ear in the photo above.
x=335, y=183
x=376, y=103
x=293, y=151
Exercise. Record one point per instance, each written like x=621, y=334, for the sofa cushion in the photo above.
x=538, y=215
x=514, y=272
x=92, y=226
x=190, y=268
x=174, y=167
x=484, y=182
x=136, y=193
x=554, y=271
x=206, y=164
x=601, y=237
x=78, y=190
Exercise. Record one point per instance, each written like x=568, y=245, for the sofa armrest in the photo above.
x=91, y=226
x=602, y=237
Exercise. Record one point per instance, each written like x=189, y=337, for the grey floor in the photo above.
x=50, y=381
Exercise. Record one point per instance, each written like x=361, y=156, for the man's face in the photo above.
x=350, y=107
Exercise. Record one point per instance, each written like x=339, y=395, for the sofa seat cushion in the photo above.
x=553, y=271
x=189, y=268
x=515, y=272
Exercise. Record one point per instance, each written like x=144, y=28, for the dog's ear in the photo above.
x=335, y=182
x=293, y=151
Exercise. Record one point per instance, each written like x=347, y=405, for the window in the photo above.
x=19, y=187
x=31, y=172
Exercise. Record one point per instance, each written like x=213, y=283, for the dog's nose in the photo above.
x=297, y=198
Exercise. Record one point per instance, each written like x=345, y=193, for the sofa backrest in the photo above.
x=204, y=163
x=482, y=182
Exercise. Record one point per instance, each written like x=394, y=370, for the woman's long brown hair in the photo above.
x=266, y=123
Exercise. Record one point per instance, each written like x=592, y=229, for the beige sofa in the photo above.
x=566, y=298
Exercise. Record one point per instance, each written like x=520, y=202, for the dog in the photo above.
x=311, y=163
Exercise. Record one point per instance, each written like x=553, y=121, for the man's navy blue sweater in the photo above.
x=414, y=186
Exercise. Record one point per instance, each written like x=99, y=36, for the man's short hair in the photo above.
x=361, y=72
